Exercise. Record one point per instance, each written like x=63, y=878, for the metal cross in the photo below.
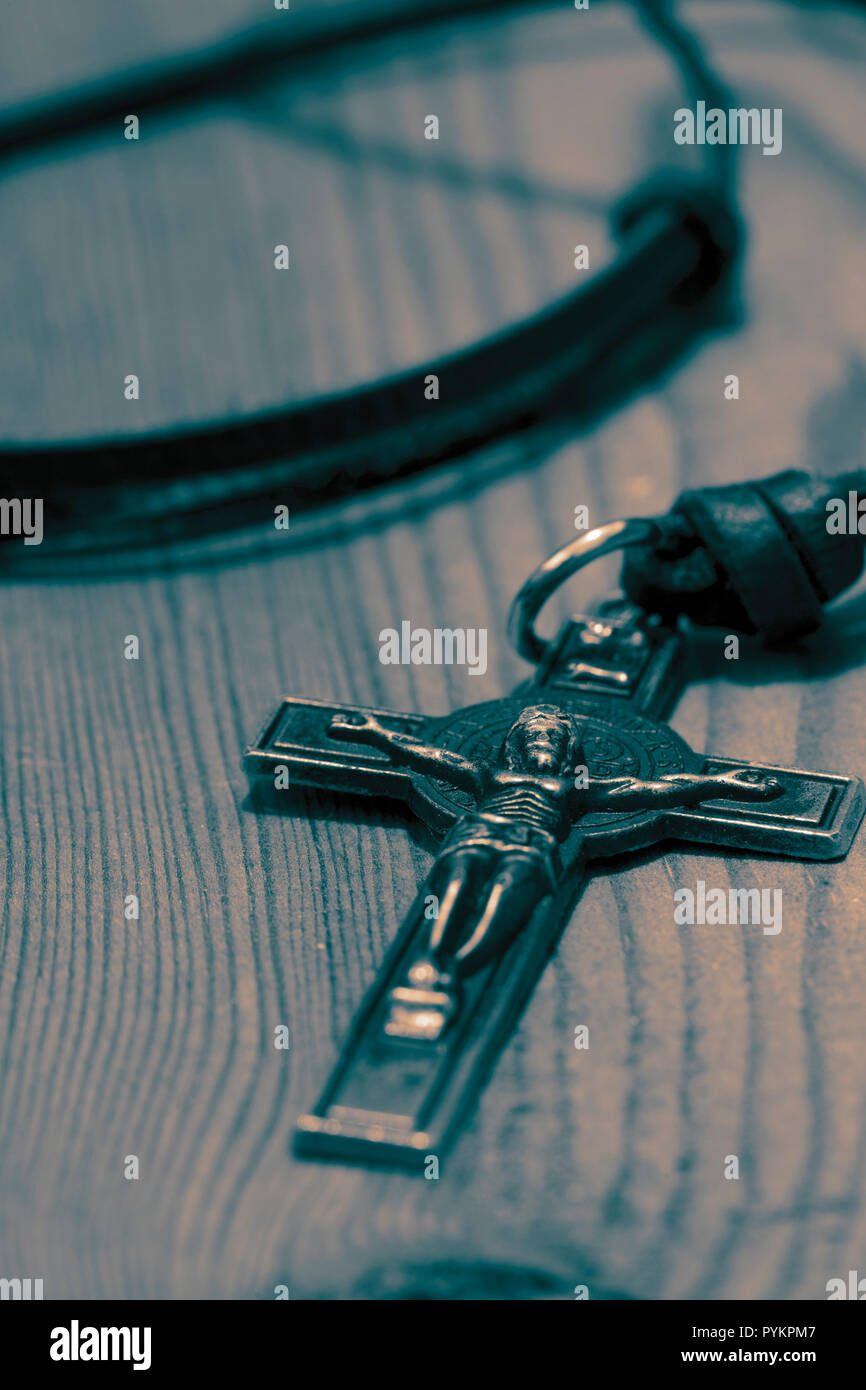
x=576, y=765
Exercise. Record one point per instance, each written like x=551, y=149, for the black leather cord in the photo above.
x=760, y=558
x=681, y=239
x=308, y=454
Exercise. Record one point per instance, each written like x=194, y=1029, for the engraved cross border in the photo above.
x=497, y=781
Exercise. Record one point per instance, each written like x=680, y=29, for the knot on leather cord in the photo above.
x=759, y=558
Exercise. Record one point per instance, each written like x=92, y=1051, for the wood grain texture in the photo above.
x=154, y=1037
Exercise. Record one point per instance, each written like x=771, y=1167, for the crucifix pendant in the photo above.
x=523, y=793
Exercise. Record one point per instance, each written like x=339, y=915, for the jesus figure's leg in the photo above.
x=511, y=897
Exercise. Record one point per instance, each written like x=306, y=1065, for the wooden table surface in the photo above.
x=155, y=1037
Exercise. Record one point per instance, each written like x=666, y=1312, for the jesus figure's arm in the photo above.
x=411, y=752
x=674, y=789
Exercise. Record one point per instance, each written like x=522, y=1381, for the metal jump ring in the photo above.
x=544, y=580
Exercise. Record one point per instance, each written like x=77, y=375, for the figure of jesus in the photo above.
x=501, y=858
